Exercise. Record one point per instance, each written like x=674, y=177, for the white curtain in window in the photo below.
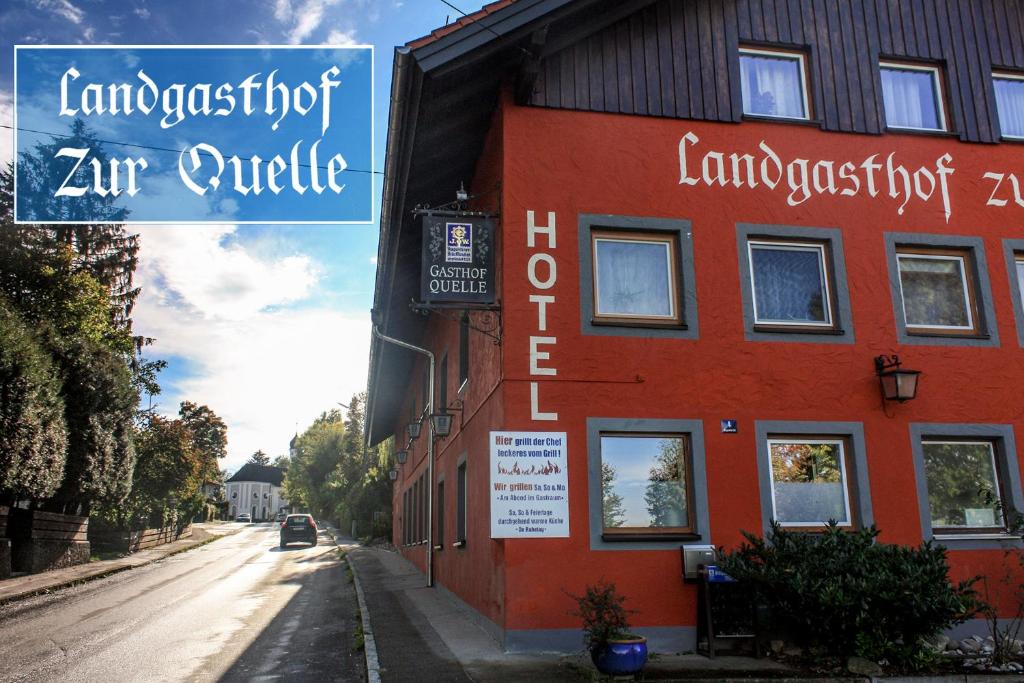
x=788, y=285
x=910, y=99
x=771, y=86
x=633, y=278
x=1010, y=103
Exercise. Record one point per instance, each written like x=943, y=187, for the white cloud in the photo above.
x=141, y=13
x=263, y=366
x=62, y=8
x=217, y=278
x=303, y=18
x=341, y=38
x=283, y=10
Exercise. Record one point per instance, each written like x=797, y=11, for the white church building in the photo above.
x=256, y=489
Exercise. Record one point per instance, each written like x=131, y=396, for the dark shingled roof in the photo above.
x=266, y=474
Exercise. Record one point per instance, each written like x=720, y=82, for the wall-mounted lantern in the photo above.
x=442, y=424
x=401, y=456
x=897, y=383
x=393, y=475
x=414, y=429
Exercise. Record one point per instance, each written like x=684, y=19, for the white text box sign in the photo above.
x=529, y=485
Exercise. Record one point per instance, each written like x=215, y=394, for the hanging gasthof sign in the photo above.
x=458, y=259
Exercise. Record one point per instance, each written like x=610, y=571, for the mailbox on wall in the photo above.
x=694, y=557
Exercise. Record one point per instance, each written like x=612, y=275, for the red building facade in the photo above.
x=712, y=218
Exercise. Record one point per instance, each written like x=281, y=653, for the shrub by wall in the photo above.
x=843, y=594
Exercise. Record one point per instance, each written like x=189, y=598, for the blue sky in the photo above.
x=268, y=325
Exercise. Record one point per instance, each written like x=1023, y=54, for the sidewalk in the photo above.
x=20, y=587
x=423, y=634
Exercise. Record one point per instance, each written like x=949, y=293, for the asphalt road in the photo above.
x=238, y=609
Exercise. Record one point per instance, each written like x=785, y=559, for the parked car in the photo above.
x=298, y=528
x=244, y=517
x=281, y=516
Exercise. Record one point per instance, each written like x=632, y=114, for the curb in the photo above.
x=104, y=573
x=369, y=643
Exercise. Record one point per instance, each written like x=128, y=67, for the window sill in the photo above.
x=632, y=538
x=978, y=537
x=787, y=329
x=946, y=335
x=760, y=118
x=922, y=131
x=439, y=547
x=459, y=544
x=648, y=324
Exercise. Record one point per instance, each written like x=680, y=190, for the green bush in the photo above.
x=844, y=594
x=602, y=611
x=33, y=434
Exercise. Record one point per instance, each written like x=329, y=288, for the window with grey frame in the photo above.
x=965, y=491
x=1018, y=262
x=646, y=485
x=937, y=290
x=791, y=284
x=810, y=481
x=636, y=278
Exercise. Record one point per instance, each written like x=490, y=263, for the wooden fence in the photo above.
x=120, y=540
x=41, y=541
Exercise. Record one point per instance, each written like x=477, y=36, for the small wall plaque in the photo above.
x=729, y=427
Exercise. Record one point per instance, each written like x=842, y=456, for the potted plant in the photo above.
x=613, y=649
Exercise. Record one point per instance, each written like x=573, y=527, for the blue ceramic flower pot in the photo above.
x=620, y=657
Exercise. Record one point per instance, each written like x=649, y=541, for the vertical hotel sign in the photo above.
x=529, y=485
x=458, y=260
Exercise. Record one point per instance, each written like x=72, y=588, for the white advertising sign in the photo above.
x=529, y=485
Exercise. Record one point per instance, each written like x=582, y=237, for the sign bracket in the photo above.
x=489, y=324
x=454, y=213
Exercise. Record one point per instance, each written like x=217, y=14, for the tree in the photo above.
x=282, y=461
x=107, y=253
x=33, y=434
x=332, y=474
x=259, y=458
x=317, y=454
x=209, y=435
x=73, y=284
x=166, y=468
x=612, y=506
x=100, y=406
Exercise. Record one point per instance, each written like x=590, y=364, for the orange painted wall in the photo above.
x=578, y=162
x=475, y=572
